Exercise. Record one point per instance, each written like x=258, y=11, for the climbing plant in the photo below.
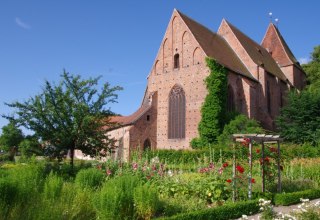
x=213, y=110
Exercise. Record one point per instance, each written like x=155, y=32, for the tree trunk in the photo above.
x=71, y=157
x=12, y=153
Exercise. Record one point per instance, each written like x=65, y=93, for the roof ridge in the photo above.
x=211, y=36
x=259, y=55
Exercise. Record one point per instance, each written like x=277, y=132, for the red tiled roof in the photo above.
x=128, y=120
x=258, y=54
x=216, y=47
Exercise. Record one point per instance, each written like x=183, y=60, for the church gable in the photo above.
x=179, y=48
x=252, y=54
x=277, y=47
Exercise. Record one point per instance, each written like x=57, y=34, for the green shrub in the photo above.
x=225, y=212
x=198, y=143
x=294, y=185
x=115, y=200
x=293, y=198
x=241, y=124
x=146, y=201
x=91, y=178
x=52, y=187
x=189, y=156
x=8, y=191
x=299, y=119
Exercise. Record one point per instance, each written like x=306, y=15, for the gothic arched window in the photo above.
x=176, y=63
x=177, y=113
x=230, y=100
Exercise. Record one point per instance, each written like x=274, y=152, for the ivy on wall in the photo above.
x=214, y=108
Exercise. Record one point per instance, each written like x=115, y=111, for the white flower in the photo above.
x=244, y=217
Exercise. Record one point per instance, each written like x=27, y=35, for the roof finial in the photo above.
x=270, y=16
x=277, y=22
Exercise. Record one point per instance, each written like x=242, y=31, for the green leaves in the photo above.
x=299, y=120
x=69, y=115
x=214, y=107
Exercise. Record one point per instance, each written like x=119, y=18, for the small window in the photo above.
x=148, y=117
x=176, y=64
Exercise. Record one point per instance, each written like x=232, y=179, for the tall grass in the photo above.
x=115, y=200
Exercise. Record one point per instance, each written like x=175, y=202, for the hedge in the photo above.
x=293, y=198
x=225, y=212
x=186, y=156
x=288, y=151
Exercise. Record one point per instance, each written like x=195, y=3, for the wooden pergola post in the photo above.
x=261, y=139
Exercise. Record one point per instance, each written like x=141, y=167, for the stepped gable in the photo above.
x=216, y=47
x=257, y=53
x=278, y=47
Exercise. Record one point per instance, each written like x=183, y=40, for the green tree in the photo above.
x=10, y=139
x=30, y=146
x=299, y=120
x=68, y=116
x=213, y=111
x=312, y=69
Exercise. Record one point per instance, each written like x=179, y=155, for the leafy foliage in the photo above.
x=293, y=198
x=227, y=211
x=214, y=107
x=29, y=146
x=10, y=138
x=146, y=201
x=91, y=178
x=313, y=69
x=299, y=120
x=241, y=124
x=69, y=116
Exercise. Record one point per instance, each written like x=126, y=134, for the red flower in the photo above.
x=258, y=151
x=267, y=159
x=240, y=169
x=108, y=172
x=225, y=164
x=245, y=142
x=134, y=166
x=229, y=180
x=253, y=180
x=272, y=149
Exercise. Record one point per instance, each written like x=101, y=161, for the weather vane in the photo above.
x=270, y=16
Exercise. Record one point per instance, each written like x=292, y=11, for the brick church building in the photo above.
x=259, y=75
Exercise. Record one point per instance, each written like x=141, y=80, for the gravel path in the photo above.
x=282, y=209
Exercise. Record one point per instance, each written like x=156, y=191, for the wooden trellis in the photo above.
x=260, y=139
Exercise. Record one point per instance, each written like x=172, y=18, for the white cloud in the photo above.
x=304, y=60
x=22, y=24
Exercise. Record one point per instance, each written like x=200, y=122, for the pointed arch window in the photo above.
x=176, y=63
x=230, y=99
x=177, y=113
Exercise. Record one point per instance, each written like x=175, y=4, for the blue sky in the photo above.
x=120, y=39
